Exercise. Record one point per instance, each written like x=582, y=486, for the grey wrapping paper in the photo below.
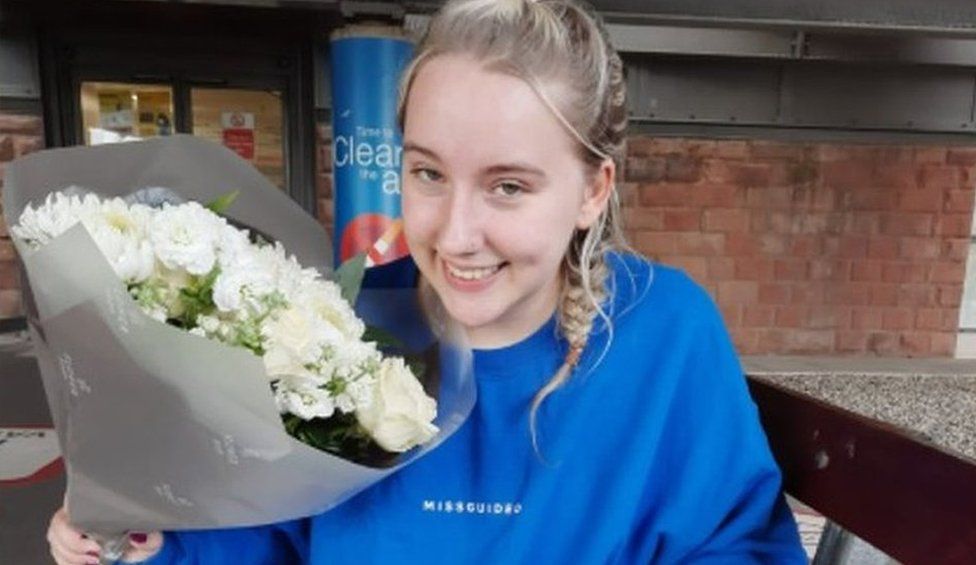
x=161, y=429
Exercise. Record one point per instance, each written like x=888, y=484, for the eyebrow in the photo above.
x=514, y=167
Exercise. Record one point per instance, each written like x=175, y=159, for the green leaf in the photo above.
x=220, y=204
x=384, y=340
x=349, y=277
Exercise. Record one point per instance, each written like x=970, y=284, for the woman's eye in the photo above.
x=508, y=189
x=427, y=175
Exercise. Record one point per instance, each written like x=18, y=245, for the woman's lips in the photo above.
x=473, y=278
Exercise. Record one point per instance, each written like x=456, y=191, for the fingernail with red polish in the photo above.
x=138, y=538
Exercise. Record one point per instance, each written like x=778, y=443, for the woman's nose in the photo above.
x=461, y=232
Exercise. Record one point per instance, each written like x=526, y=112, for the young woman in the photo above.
x=613, y=423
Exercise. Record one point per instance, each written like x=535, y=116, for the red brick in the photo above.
x=791, y=269
x=916, y=295
x=738, y=292
x=718, y=195
x=928, y=319
x=949, y=295
x=907, y=224
x=847, y=247
x=643, y=219
x=864, y=223
x=10, y=305
x=323, y=186
x=776, y=150
x=721, y=268
x=741, y=244
x=955, y=249
x=965, y=156
x=628, y=194
x=755, y=269
x=656, y=243
x=959, y=201
x=919, y=248
x=769, y=197
x=916, y=344
x=884, y=343
x=24, y=145
x=947, y=272
x=809, y=342
x=897, y=319
x=816, y=198
x=7, y=250
x=904, y=272
x=883, y=247
x=774, y=293
x=793, y=316
x=6, y=148
x=772, y=244
x=866, y=199
x=727, y=220
x=847, y=174
x=806, y=246
x=925, y=200
x=943, y=344
x=852, y=293
x=939, y=176
x=808, y=293
x=899, y=174
x=866, y=270
x=758, y=315
x=851, y=341
x=731, y=314
x=22, y=124
x=830, y=270
x=883, y=295
x=746, y=341
x=771, y=341
x=705, y=244
x=953, y=225
x=695, y=267
x=680, y=167
x=644, y=169
x=665, y=194
x=826, y=317
x=730, y=149
x=866, y=318
x=9, y=275
x=933, y=155
x=682, y=220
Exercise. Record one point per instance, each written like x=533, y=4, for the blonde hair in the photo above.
x=550, y=43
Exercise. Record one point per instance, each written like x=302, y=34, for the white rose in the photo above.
x=186, y=236
x=400, y=414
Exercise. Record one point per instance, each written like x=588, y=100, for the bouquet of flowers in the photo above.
x=200, y=377
x=187, y=266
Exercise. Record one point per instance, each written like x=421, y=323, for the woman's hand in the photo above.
x=72, y=547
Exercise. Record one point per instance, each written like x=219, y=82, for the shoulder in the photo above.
x=644, y=290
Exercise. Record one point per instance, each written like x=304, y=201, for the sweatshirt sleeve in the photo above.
x=282, y=543
x=727, y=505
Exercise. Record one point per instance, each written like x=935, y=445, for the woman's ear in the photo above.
x=597, y=194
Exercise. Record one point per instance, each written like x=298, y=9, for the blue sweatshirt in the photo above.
x=651, y=453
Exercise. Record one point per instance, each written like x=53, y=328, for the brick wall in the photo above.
x=812, y=248
x=808, y=248
x=19, y=135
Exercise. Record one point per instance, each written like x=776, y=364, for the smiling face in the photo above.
x=493, y=189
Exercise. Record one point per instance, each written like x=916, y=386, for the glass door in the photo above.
x=118, y=111
x=250, y=122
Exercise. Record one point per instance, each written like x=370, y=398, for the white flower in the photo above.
x=295, y=338
x=400, y=414
x=60, y=211
x=186, y=237
x=304, y=396
x=120, y=233
x=324, y=298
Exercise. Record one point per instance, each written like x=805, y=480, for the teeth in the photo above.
x=473, y=274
